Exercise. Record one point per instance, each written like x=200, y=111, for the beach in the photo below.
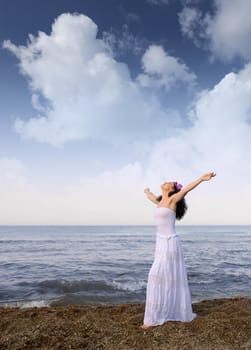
x=220, y=324
x=84, y=288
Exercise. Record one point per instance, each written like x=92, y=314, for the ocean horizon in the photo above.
x=108, y=264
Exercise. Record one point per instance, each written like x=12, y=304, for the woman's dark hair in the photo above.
x=181, y=205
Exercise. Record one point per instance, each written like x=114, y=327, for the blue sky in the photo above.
x=100, y=99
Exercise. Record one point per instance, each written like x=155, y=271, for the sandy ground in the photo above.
x=220, y=324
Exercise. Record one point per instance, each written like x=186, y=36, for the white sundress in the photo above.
x=167, y=294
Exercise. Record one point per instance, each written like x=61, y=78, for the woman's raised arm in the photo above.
x=181, y=194
x=151, y=196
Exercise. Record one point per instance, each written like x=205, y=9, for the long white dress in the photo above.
x=167, y=295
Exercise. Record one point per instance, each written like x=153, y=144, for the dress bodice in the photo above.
x=165, y=221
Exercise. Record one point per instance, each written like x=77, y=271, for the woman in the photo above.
x=167, y=294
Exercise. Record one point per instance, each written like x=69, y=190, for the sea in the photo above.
x=62, y=265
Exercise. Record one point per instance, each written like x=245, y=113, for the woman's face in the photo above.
x=168, y=186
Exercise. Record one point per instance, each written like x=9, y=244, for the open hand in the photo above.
x=208, y=176
x=146, y=190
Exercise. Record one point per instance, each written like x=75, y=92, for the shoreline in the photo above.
x=220, y=324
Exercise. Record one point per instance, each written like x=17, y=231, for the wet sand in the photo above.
x=220, y=324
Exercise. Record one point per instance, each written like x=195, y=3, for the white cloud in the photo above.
x=89, y=93
x=227, y=32
x=12, y=172
x=115, y=197
x=132, y=17
x=158, y=2
x=163, y=70
x=219, y=140
x=190, y=19
x=220, y=134
x=108, y=198
x=121, y=42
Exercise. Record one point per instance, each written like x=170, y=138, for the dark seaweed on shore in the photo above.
x=221, y=324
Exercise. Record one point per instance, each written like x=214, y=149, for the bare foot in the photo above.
x=145, y=326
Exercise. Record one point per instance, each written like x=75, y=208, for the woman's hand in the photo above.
x=151, y=196
x=208, y=176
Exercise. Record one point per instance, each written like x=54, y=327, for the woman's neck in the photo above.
x=165, y=196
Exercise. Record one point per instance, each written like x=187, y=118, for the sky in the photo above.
x=101, y=99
